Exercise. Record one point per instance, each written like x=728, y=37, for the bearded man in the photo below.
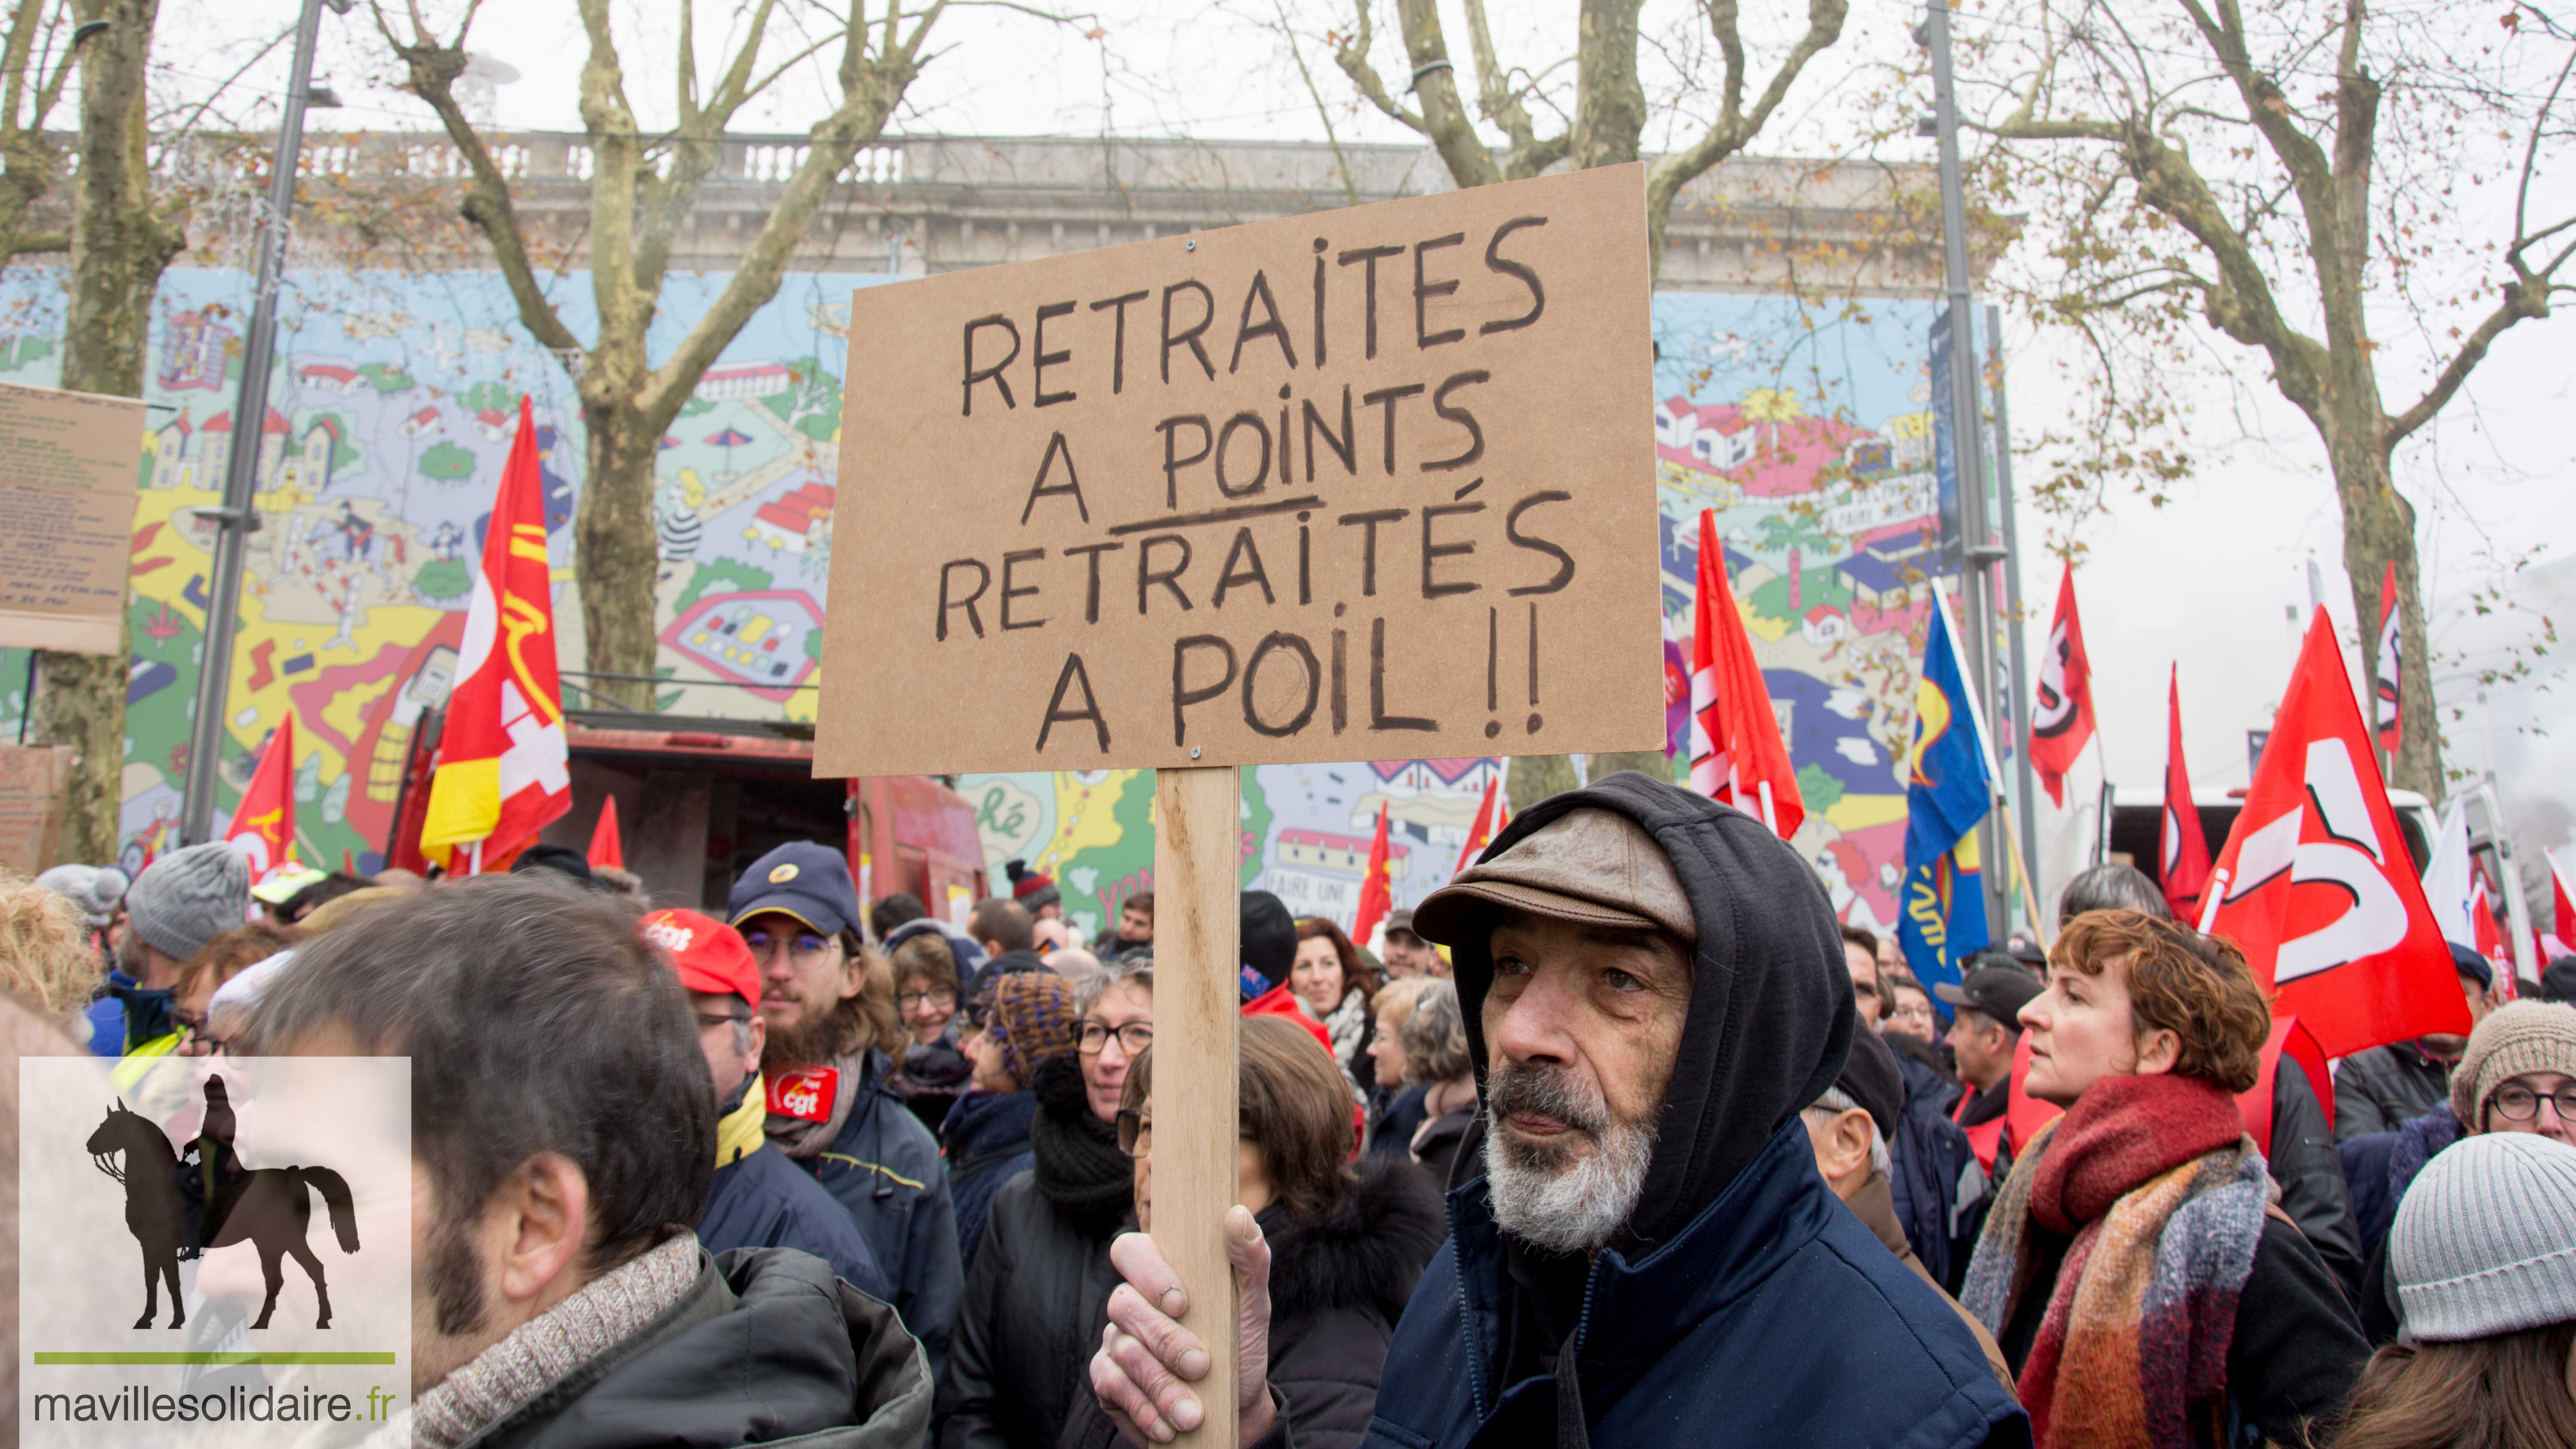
x=1654, y=990
x=827, y=1004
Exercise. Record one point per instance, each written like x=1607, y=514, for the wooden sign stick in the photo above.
x=1198, y=871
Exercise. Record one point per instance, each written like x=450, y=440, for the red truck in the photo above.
x=700, y=799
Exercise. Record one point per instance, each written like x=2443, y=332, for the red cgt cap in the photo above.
x=710, y=955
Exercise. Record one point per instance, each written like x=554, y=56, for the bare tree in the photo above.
x=1611, y=110
x=35, y=63
x=1606, y=127
x=2305, y=187
x=125, y=231
x=642, y=188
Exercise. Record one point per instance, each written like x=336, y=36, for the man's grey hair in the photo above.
x=2111, y=887
x=1836, y=1102
x=1138, y=969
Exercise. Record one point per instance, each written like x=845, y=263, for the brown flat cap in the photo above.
x=1592, y=866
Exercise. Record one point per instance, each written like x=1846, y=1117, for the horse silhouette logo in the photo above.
x=177, y=1207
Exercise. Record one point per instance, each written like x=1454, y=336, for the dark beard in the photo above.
x=455, y=1277
x=815, y=1039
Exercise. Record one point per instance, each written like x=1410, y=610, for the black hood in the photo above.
x=1771, y=1015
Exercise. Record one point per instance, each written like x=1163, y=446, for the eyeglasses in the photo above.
x=943, y=997
x=2521, y=1104
x=1913, y=1011
x=194, y=1029
x=1134, y=1037
x=804, y=947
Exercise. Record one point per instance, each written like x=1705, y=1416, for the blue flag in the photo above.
x=1941, y=915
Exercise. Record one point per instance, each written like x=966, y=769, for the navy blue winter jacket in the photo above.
x=1774, y=1312
x=762, y=1200
x=883, y=1166
x=1742, y=1303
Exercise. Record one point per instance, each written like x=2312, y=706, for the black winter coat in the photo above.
x=766, y=1348
x=1337, y=1286
x=2385, y=1088
x=1035, y=1303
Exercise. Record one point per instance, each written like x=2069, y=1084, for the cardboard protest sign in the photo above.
x=1367, y=483
x=35, y=794
x=68, y=466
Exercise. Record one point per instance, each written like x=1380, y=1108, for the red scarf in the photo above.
x=2164, y=1197
x=2120, y=1133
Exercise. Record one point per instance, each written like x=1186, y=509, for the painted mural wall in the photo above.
x=1806, y=428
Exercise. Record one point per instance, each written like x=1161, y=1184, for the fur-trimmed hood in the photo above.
x=1367, y=1256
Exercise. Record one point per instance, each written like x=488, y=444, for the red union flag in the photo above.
x=1736, y=753
x=2316, y=886
x=263, y=825
x=2061, y=719
x=2184, y=858
x=2391, y=662
x=502, y=764
x=1377, y=894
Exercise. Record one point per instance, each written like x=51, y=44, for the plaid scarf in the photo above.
x=2164, y=1196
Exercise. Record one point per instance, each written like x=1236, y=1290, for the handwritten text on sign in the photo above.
x=1366, y=483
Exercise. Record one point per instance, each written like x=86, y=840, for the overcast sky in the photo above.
x=2205, y=581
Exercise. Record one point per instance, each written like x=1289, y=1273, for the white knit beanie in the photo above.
x=2485, y=1243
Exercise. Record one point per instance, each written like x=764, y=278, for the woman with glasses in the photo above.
x=1021, y=1020
x=1038, y=1295
x=219, y=961
x=934, y=1070
x=2518, y=1075
x=2144, y=1288
x=1348, y=1239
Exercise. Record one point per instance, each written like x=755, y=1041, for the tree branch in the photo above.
x=432, y=68
x=1352, y=56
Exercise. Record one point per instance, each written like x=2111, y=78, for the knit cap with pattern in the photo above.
x=2519, y=1037
x=1031, y=1018
x=2484, y=1244
x=189, y=897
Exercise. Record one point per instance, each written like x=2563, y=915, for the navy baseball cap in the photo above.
x=801, y=879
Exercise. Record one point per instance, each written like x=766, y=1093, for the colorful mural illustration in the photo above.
x=390, y=415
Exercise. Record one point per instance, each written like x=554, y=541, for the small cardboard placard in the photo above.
x=1372, y=483
x=69, y=465
x=35, y=795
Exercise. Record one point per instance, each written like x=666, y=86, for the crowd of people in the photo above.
x=1615, y=1137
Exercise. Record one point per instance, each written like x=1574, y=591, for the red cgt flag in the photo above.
x=263, y=824
x=1481, y=834
x=1736, y=753
x=607, y=847
x=2061, y=720
x=2184, y=856
x=2316, y=885
x=1377, y=895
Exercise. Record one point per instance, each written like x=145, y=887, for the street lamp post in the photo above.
x=1967, y=438
x=235, y=519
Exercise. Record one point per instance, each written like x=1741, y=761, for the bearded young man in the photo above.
x=1654, y=992
x=827, y=1005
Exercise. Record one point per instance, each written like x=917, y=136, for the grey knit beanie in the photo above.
x=2484, y=1244
x=2518, y=1037
x=189, y=897
x=94, y=888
